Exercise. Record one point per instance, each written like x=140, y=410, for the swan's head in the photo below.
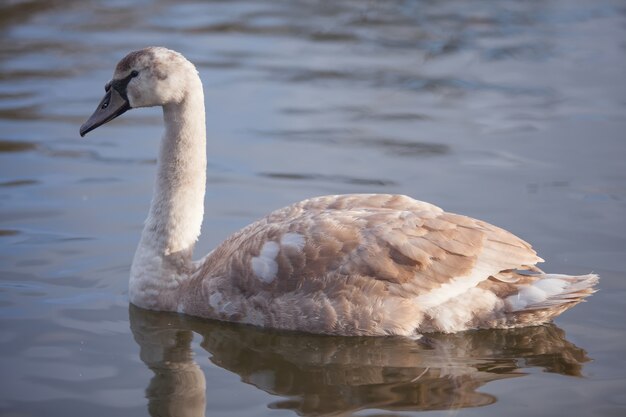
x=152, y=76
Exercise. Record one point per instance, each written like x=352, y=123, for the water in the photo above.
x=509, y=111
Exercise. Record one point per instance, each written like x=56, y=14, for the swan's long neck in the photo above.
x=163, y=259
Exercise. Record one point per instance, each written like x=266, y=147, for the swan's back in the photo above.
x=375, y=264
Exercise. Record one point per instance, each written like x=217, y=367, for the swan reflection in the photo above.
x=328, y=375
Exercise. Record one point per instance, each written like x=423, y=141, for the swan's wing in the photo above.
x=404, y=247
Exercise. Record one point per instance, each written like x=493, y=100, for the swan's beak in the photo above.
x=111, y=106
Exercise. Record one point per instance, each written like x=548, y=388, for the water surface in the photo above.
x=509, y=111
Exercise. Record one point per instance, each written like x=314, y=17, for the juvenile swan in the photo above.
x=363, y=264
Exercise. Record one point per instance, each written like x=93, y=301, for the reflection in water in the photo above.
x=327, y=375
x=178, y=385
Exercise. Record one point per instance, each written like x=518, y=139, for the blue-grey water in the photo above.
x=510, y=111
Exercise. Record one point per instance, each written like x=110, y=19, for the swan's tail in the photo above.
x=549, y=296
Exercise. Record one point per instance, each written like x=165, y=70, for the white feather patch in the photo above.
x=551, y=286
x=538, y=292
x=264, y=266
x=294, y=240
x=270, y=250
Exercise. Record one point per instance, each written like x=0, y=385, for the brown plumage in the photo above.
x=372, y=265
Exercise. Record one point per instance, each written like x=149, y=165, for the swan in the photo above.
x=361, y=264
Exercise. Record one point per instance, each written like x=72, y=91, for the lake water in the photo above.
x=511, y=111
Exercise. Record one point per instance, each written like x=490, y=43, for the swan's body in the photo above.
x=367, y=264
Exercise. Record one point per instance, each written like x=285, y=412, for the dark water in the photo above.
x=510, y=111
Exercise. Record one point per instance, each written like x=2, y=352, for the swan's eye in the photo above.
x=105, y=102
x=134, y=73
